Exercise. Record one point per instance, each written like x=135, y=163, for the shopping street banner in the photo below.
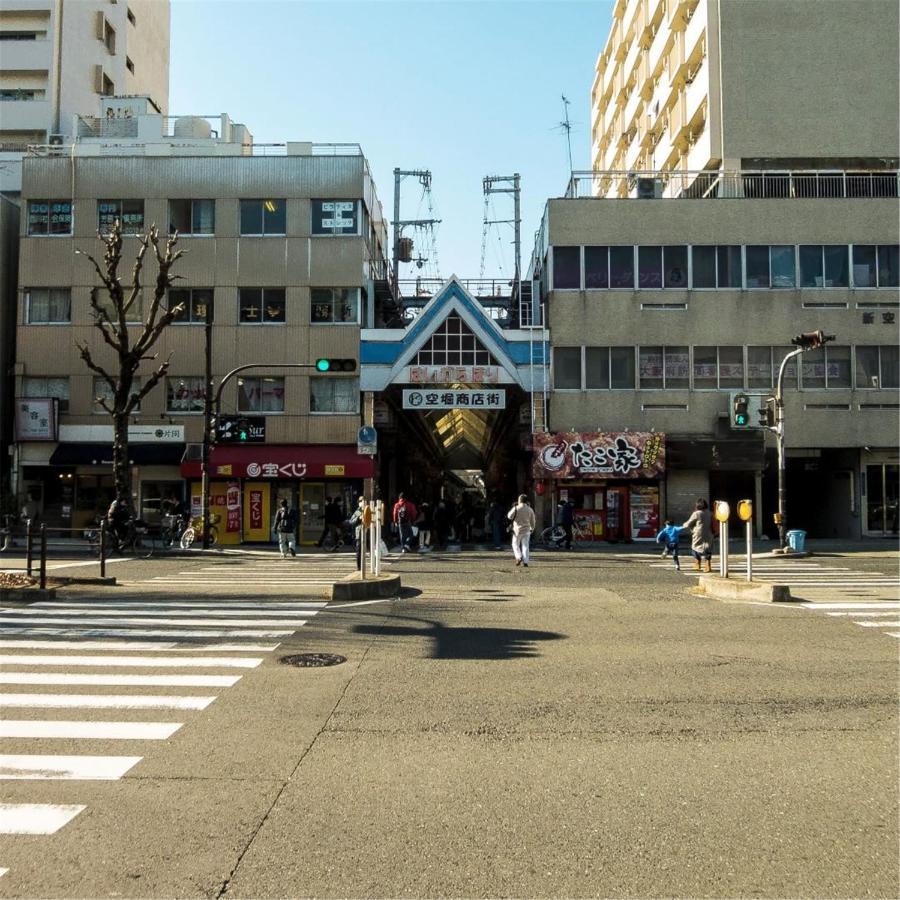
x=596, y=455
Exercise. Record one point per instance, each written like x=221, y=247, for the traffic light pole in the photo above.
x=779, y=435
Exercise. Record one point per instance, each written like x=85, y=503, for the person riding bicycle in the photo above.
x=119, y=519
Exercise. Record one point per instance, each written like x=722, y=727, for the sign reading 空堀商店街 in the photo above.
x=452, y=399
x=599, y=455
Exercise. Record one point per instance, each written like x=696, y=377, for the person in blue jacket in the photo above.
x=669, y=537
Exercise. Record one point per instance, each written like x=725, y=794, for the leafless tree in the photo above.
x=131, y=342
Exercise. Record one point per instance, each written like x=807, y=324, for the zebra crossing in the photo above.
x=61, y=658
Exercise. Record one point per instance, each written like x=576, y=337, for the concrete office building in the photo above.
x=745, y=190
x=285, y=253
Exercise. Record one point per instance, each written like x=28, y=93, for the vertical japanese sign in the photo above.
x=36, y=419
x=256, y=508
x=233, y=507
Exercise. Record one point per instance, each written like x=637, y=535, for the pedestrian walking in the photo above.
x=403, y=516
x=522, y=518
x=423, y=523
x=356, y=522
x=668, y=537
x=567, y=519
x=441, y=524
x=700, y=525
x=285, y=528
x=334, y=515
x=497, y=521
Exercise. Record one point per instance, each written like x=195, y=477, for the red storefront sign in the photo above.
x=233, y=508
x=283, y=462
x=599, y=455
x=256, y=508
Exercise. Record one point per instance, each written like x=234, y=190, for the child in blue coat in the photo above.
x=669, y=537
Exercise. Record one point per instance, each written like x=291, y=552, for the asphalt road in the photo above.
x=585, y=727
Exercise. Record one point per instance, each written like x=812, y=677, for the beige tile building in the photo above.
x=283, y=251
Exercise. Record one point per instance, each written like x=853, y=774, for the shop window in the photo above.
x=102, y=391
x=49, y=217
x=262, y=306
x=196, y=304
x=334, y=306
x=878, y=367
x=621, y=267
x=49, y=306
x=261, y=394
x=567, y=368
x=53, y=386
x=129, y=213
x=566, y=268
x=263, y=217
x=186, y=394
x=192, y=217
x=333, y=395
x=335, y=217
x=596, y=267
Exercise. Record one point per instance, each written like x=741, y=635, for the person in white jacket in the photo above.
x=522, y=518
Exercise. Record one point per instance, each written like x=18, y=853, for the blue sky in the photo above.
x=465, y=88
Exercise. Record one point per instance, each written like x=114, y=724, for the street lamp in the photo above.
x=809, y=340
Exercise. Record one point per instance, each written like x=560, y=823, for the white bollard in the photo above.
x=379, y=512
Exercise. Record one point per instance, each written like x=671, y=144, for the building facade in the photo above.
x=284, y=253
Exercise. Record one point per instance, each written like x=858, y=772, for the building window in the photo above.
x=666, y=368
x=334, y=305
x=771, y=266
x=716, y=266
x=196, y=302
x=129, y=64
x=621, y=267
x=133, y=315
x=259, y=217
x=877, y=367
x=567, y=368
x=334, y=395
x=192, y=217
x=102, y=391
x=827, y=367
x=454, y=344
x=262, y=306
x=108, y=36
x=186, y=394
x=49, y=217
x=759, y=367
x=17, y=95
x=596, y=368
x=824, y=266
x=47, y=386
x=596, y=267
x=876, y=265
x=791, y=370
x=621, y=368
x=130, y=213
x=566, y=268
x=260, y=394
x=335, y=217
x=19, y=35
x=718, y=367
x=131, y=18
x=48, y=306
x=650, y=267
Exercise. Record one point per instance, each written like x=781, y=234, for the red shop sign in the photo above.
x=599, y=454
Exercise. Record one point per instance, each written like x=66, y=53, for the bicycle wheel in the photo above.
x=213, y=535
x=144, y=545
x=187, y=537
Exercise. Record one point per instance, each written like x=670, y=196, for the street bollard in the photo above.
x=745, y=513
x=43, y=563
x=379, y=514
x=723, y=511
x=29, y=537
x=103, y=548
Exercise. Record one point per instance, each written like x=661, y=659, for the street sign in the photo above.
x=241, y=430
x=448, y=398
x=367, y=441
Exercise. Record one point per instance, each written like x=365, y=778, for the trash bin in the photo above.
x=797, y=540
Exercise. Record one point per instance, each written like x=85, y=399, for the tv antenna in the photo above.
x=565, y=126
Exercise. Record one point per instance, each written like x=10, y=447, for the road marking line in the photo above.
x=886, y=604
x=35, y=818
x=95, y=620
x=106, y=731
x=102, y=701
x=176, y=615
x=180, y=662
x=185, y=604
x=865, y=615
x=895, y=624
x=160, y=632
x=89, y=768
x=87, y=645
x=895, y=634
x=120, y=680
x=360, y=603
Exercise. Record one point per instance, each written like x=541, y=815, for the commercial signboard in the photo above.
x=36, y=419
x=599, y=455
x=450, y=399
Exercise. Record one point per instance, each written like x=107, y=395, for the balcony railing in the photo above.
x=744, y=184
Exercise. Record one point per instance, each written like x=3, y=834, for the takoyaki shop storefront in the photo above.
x=612, y=478
x=247, y=483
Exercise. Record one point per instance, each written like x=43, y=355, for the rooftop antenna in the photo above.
x=566, y=126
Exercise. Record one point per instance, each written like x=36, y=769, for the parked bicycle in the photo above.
x=554, y=537
x=171, y=529
x=194, y=531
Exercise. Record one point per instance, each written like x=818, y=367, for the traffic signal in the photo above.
x=767, y=413
x=242, y=431
x=740, y=411
x=335, y=365
x=811, y=340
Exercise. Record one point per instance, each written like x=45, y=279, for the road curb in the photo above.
x=373, y=588
x=730, y=589
x=25, y=596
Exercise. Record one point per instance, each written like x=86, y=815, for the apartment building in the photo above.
x=745, y=190
x=689, y=85
x=285, y=256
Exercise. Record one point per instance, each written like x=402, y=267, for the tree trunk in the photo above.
x=121, y=468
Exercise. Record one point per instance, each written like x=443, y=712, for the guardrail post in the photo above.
x=43, y=565
x=28, y=547
x=103, y=548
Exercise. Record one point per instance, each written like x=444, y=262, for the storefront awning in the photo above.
x=284, y=462
x=87, y=454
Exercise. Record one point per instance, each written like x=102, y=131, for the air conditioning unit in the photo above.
x=648, y=188
x=56, y=140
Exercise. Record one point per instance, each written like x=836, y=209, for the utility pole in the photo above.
x=424, y=176
x=512, y=186
x=208, y=423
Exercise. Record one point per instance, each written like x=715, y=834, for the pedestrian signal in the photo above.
x=740, y=411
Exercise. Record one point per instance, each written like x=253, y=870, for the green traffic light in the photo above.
x=740, y=419
x=323, y=365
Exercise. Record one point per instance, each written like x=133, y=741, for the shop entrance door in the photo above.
x=312, y=511
x=617, y=515
x=882, y=494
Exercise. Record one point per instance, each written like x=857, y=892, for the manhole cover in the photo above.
x=312, y=660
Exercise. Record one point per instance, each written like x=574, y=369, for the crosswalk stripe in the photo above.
x=102, y=701
x=886, y=604
x=159, y=632
x=120, y=680
x=143, y=620
x=25, y=644
x=80, y=768
x=174, y=615
x=107, y=731
x=35, y=818
x=865, y=615
x=894, y=624
x=180, y=662
x=237, y=606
